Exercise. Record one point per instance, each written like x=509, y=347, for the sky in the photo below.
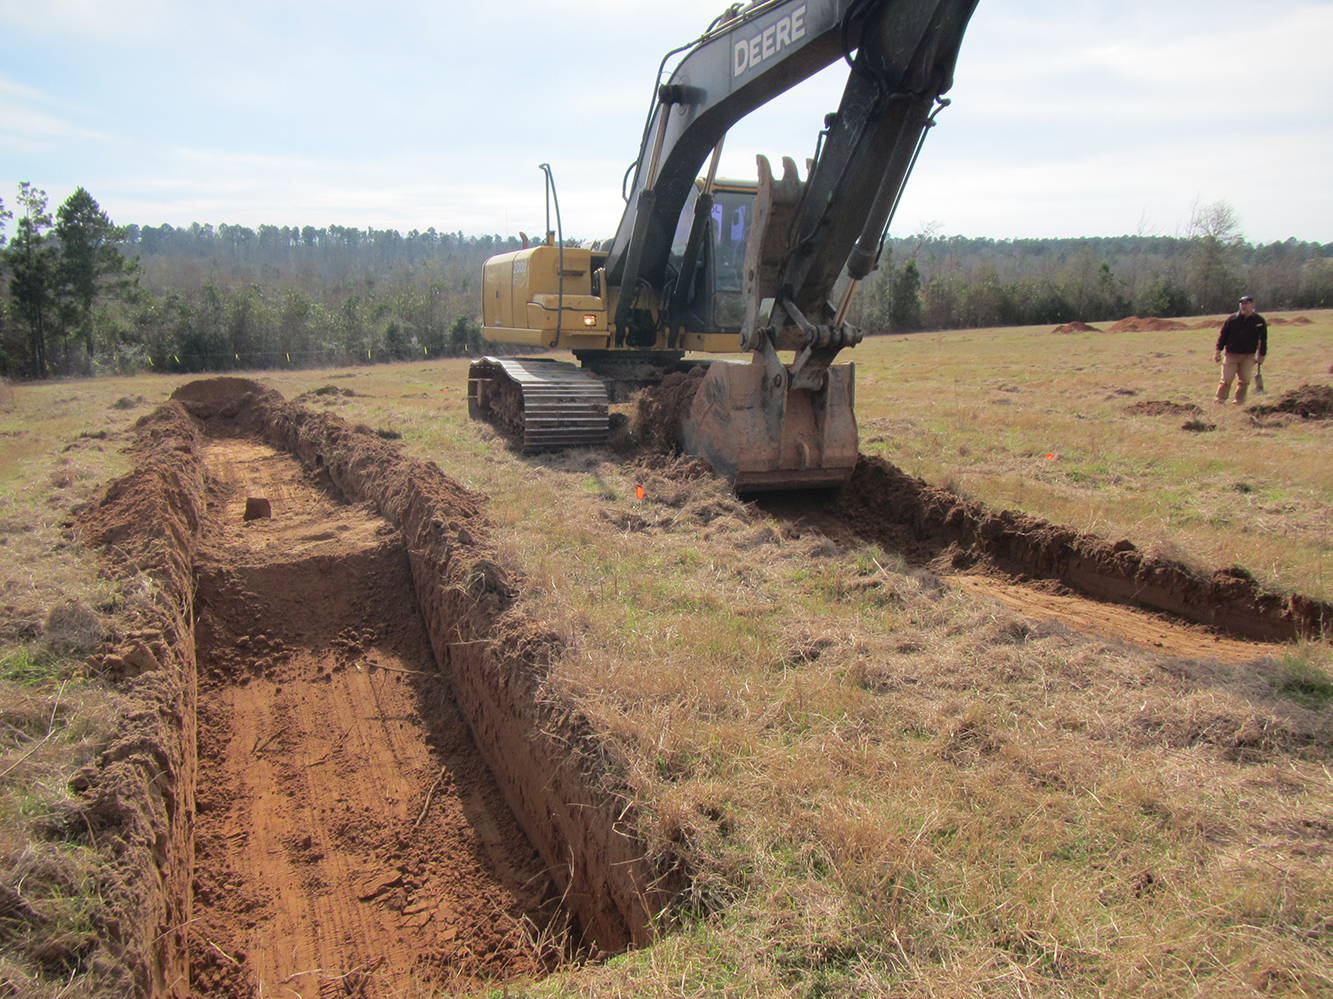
x=1069, y=117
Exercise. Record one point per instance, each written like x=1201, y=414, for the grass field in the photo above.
x=880, y=786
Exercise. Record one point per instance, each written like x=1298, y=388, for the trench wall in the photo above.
x=137, y=797
x=543, y=754
x=1229, y=599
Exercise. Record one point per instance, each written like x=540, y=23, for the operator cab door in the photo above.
x=716, y=304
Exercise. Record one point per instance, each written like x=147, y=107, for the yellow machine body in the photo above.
x=524, y=301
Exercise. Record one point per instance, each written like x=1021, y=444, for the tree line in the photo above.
x=81, y=295
x=934, y=282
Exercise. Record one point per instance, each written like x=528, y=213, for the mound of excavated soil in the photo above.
x=1076, y=327
x=1312, y=402
x=655, y=426
x=1162, y=407
x=1133, y=324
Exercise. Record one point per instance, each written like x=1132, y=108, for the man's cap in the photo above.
x=1246, y=298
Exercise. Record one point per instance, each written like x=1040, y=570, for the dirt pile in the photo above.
x=1076, y=327
x=1162, y=407
x=884, y=504
x=1133, y=324
x=138, y=795
x=661, y=409
x=277, y=685
x=1310, y=402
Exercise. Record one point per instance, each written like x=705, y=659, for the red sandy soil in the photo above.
x=292, y=800
x=348, y=833
x=1076, y=327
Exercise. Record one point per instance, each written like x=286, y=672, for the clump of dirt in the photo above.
x=1076, y=327
x=1133, y=324
x=1198, y=426
x=929, y=525
x=1301, y=321
x=661, y=409
x=1310, y=402
x=1162, y=407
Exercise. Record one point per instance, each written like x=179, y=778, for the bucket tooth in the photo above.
x=762, y=435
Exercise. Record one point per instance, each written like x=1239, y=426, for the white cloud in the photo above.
x=1069, y=118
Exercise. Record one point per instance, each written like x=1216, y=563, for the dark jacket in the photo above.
x=1242, y=334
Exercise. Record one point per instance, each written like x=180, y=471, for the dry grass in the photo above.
x=58, y=443
x=983, y=408
x=886, y=788
x=881, y=786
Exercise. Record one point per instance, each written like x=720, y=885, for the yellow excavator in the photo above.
x=701, y=264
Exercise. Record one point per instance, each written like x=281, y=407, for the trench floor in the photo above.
x=349, y=840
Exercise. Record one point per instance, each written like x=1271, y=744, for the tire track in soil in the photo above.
x=349, y=839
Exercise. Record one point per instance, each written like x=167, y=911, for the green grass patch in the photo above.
x=35, y=665
x=1304, y=681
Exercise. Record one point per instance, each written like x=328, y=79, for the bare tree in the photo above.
x=1215, y=241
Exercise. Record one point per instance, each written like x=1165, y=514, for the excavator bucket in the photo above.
x=746, y=420
x=761, y=435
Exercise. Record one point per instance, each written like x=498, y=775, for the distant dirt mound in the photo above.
x=1134, y=324
x=1301, y=321
x=1161, y=407
x=1311, y=402
x=1076, y=327
x=662, y=408
x=927, y=524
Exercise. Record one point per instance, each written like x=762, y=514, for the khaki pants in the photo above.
x=1237, y=366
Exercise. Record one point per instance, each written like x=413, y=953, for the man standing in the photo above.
x=1244, y=337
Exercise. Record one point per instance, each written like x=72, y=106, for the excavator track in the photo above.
x=539, y=403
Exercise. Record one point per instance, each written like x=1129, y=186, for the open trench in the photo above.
x=338, y=768
x=348, y=835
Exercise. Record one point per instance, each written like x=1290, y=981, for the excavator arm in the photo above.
x=905, y=52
